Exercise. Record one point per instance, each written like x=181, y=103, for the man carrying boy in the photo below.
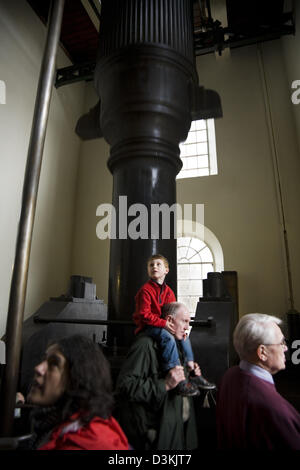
x=151, y=413
x=150, y=299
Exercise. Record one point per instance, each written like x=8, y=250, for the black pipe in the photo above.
x=82, y=321
x=29, y=199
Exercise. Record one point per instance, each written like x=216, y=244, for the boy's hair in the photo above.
x=158, y=256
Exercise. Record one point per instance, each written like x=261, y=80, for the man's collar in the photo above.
x=257, y=371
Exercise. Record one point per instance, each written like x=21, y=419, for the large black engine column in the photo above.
x=148, y=88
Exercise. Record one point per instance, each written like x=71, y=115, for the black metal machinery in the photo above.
x=213, y=347
x=59, y=317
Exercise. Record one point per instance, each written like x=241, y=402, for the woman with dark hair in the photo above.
x=73, y=387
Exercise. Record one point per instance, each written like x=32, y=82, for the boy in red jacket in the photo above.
x=149, y=301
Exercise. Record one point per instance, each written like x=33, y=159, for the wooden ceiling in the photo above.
x=249, y=21
x=79, y=37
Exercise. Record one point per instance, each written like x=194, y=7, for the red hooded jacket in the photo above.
x=98, y=434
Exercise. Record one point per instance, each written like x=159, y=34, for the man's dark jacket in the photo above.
x=144, y=403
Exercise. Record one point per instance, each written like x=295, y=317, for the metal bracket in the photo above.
x=75, y=73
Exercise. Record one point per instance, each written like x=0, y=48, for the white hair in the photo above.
x=253, y=330
x=171, y=309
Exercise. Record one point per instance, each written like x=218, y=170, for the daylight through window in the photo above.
x=198, y=152
x=194, y=261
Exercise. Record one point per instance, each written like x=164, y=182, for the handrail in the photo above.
x=210, y=322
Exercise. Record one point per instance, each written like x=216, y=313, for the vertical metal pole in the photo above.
x=24, y=237
x=275, y=161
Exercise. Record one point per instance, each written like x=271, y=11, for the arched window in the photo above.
x=196, y=258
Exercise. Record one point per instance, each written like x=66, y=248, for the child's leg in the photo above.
x=167, y=345
x=187, y=350
x=170, y=357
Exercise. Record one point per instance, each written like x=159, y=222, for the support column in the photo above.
x=147, y=83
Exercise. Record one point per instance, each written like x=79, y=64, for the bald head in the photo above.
x=179, y=316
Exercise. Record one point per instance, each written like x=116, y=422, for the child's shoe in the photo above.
x=200, y=382
x=187, y=389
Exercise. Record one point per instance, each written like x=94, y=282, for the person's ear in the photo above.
x=261, y=352
x=167, y=269
x=170, y=318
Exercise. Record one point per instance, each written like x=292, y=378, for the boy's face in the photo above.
x=157, y=270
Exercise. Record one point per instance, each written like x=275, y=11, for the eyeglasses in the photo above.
x=282, y=343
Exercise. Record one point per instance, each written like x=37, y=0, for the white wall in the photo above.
x=22, y=39
x=91, y=255
x=241, y=203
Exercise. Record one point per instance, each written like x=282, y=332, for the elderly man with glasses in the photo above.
x=251, y=414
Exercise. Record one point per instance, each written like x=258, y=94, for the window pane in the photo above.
x=192, y=254
x=195, y=287
x=195, y=271
x=192, y=149
x=206, y=255
x=195, y=260
x=201, y=141
x=184, y=241
x=201, y=148
x=201, y=124
x=192, y=162
x=203, y=161
x=206, y=268
x=183, y=287
x=201, y=136
x=181, y=253
x=191, y=138
x=183, y=271
x=197, y=244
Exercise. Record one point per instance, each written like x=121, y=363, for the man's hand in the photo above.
x=194, y=368
x=174, y=376
x=197, y=370
x=20, y=398
x=169, y=326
